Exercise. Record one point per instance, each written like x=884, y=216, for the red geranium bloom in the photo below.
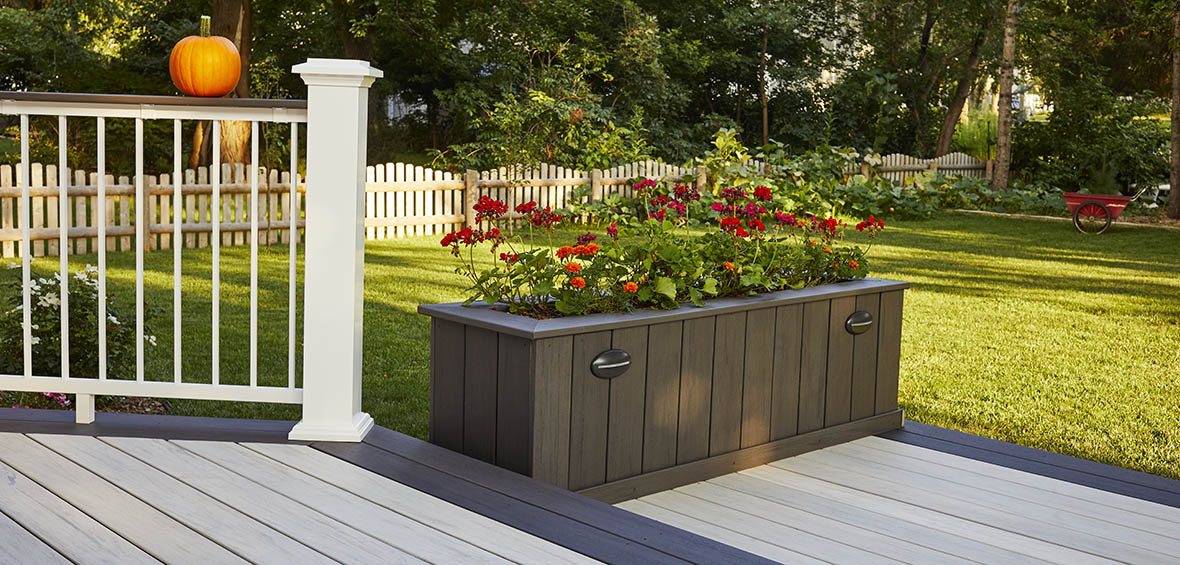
x=757, y=224
x=762, y=193
x=489, y=209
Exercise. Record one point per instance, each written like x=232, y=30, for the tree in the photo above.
x=1174, y=193
x=231, y=19
x=1004, y=125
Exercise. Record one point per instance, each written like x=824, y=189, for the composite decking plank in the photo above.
x=797, y=540
x=875, y=521
x=72, y=533
x=21, y=546
x=1051, y=465
x=1024, y=504
x=674, y=544
x=382, y=523
x=1050, y=484
x=316, y=530
x=881, y=481
x=708, y=529
x=500, y=539
x=166, y=540
x=1094, y=468
x=900, y=510
x=1017, y=490
x=818, y=524
x=232, y=529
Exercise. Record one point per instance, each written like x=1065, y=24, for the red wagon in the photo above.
x=1093, y=213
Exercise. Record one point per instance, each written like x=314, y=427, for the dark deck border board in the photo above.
x=31, y=421
x=582, y=524
x=1101, y=476
x=478, y=314
x=726, y=463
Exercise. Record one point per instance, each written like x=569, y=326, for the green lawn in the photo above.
x=1019, y=330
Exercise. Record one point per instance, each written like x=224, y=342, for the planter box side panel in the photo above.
x=552, y=390
x=888, y=350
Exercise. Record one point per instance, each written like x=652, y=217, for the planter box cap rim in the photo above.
x=479, y=314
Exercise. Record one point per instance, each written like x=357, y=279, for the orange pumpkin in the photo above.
x=203, y=65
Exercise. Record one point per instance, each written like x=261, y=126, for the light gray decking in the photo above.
x=133, y=500
x=876, y=500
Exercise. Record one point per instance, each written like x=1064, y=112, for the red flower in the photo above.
x=489, y=209
x=853, y=264
x=729, y=266
x=578, y=282
x=586, y=238
x=526, y=207
x=572, y=267
x=509, y=258
x=630, y=287
x=741, y=232
x=564, y=252
x=757, y=224
x=762, y=193
x=659, y=215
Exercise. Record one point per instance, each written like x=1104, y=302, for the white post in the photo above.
x=334, y=251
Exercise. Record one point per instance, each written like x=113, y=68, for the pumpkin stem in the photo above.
x=205, y=20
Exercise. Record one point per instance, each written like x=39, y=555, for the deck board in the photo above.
x=219, y=522
x=308, y=525
x=358, y=513
x=952, y=485
x=167, y=540
x=509, y=543
x=72, y=533
x=873, y=499
x=20, y=545
x=949, y=500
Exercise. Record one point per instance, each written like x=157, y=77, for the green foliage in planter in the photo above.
x=657, y=261
x=45, y=312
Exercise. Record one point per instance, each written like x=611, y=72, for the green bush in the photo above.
x=45, y=312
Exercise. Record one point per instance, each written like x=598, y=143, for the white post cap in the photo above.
x=338, y=72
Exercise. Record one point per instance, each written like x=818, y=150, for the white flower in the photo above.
x=35, y=340
x=48, y=299
x=112, y=318
x=91, y=269
x=14, y=265
x=150, y=339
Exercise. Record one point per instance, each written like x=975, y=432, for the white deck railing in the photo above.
x=336, y=117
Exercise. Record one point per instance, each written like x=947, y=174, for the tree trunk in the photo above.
x=762, y=91
x=947, y=134
x=231, y=19
x=1174, y=193
x=1004, y=123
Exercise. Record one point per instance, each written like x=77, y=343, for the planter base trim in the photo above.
x=704, y=469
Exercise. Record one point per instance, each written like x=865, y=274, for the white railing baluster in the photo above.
x=25, y=247
x=254, y=254
x=215, y=210
x=177, y=244
x=293, y=214
x=141, y=213
x=63, y=211
x=102, y=248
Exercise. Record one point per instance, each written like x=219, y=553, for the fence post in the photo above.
x=470, y=197
x=595, y=185
x=334, y=249
x=933, y=166
x=987, y=168
x=702, y=179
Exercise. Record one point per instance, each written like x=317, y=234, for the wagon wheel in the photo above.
x=1092, y=217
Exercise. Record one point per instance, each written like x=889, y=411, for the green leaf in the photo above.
x=710, y=287
x=696, y=297
x=666, y=287
x=565, y=307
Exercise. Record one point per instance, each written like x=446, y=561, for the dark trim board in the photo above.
x=726, y=463
x=31, y=421
x=1101, y=476
x=590, y=527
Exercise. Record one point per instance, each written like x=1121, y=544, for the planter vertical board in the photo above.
x=709, y=390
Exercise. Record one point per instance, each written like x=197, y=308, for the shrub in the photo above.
x=45, y=312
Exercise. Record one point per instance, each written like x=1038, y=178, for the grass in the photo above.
x=1019, y=330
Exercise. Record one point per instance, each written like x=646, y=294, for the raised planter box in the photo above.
x=712, y=390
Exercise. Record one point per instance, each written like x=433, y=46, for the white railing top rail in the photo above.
x=152, y=107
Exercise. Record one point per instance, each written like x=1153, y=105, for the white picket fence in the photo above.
x=401, y=200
